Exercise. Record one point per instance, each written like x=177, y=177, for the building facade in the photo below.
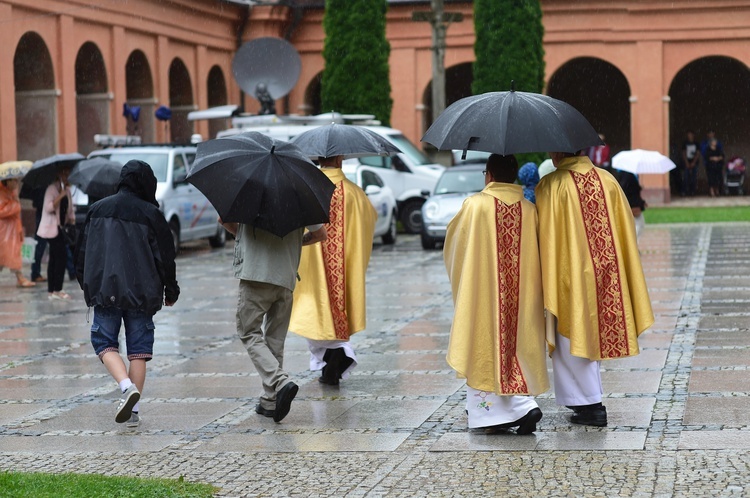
x=642, y=71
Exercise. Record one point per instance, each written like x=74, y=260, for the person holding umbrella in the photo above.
x=497, y=338
x=57, y=211
x=267, y=192
x=329, y=302
x=11, y=229
x=595, y=293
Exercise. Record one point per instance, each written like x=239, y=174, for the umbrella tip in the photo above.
x=512, y=85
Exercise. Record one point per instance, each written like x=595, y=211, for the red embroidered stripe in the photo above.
x=508, y=282
x=333, y=260
x=610, y=303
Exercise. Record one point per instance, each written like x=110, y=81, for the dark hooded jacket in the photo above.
x=125, y=255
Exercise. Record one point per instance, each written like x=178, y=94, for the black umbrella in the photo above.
x=343, y=140
x=44, y=171
x=98, y=177
x=511, y=123
x=254, y=179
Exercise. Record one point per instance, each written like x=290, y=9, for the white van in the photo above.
x=408, y=174
x=189, y=214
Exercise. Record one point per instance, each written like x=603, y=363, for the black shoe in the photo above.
x=336, y=364
x=528, y=422
x=284, y=401
x=264, y=411
x=326, y=379
x=579, y=408
x=596, y=416
x=525, y=424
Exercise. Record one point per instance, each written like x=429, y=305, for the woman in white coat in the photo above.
x=57, y=211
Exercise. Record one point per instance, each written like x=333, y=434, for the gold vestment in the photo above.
x=491, y=253
x=591, y=268
x=329, y=300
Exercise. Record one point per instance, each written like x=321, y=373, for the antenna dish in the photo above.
x=267, y=61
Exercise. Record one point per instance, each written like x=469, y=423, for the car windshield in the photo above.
x=157, y=160
x=415, y=155
x=460, y=182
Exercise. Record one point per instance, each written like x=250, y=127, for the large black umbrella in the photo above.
x=343, y=140
x=253, y=179
x=511, y=123
x=97, y=177
x=44, y=171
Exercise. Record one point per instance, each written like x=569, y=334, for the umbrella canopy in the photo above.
x=14, y=169
x=343, y=140
x=44, y=171
x=97, y=177
x=639, y=161
x=270, y=184
x=511, y=123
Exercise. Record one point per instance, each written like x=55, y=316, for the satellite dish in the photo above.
x=271, y=62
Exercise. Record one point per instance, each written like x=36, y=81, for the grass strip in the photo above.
x=40, y=485
x=656, y=215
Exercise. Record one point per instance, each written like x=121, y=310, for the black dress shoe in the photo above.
x=336, y=364
x=284, y=401
x=596, y=416
x=264, y=411
x=525, y=424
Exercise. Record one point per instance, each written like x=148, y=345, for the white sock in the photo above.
x=125, y=384
x=136, y=407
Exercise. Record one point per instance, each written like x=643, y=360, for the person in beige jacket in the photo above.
x=57, y=210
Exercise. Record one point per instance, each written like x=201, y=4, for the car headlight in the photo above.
x=431, y=209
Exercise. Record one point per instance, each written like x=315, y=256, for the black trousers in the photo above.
x=58, y=257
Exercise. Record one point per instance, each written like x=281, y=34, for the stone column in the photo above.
x=67, y=119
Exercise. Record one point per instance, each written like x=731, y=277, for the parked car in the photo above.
x=380, y=196
x=455, y=185
x=407, y=174
x=189, y=214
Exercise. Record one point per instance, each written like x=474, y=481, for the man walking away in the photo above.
x=594, y=286
x=497, y=338
x=329, y=301
x=125, y=266
x=267, y=268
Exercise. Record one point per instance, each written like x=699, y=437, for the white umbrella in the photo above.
x=639, y=161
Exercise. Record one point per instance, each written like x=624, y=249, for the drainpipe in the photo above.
x=297, y=15
x=240, y=31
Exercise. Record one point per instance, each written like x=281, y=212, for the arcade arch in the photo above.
x=139, y=89
x=217, y=95
x=600, y=91
x=92, y=99
x=180, y=102
x=36, y=98
x=711, y=93
x=458, y=80
x=313, y=103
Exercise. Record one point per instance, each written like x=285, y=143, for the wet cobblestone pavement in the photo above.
x=679, y=414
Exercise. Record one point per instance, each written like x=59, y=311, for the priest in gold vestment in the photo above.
x=594, y=289
x=329, y=300
x=497, y=338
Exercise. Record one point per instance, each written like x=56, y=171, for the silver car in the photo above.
x=454, y=185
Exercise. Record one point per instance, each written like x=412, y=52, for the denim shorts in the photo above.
x=139, y=332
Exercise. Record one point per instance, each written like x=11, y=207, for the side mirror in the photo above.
x=399, y=164
x=425, y=193
x=372, y=190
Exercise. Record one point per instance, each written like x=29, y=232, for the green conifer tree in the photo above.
x=356, y=76
x=508, y=46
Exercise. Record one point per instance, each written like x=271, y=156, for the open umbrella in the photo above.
x=253, y=179
x=97, y=177
x=44, y=171
x=511, y=123
x=343, y=140
x=639, y=161
x=14, y=169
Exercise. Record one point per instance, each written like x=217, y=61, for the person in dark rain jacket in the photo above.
x=125, y=266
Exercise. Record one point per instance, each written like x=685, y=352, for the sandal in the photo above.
x=25, y=283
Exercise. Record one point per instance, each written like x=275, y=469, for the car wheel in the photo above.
x=427, y=241
x=174, y=227
x=390, y=236
x=411, y=216
x=220, y=239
